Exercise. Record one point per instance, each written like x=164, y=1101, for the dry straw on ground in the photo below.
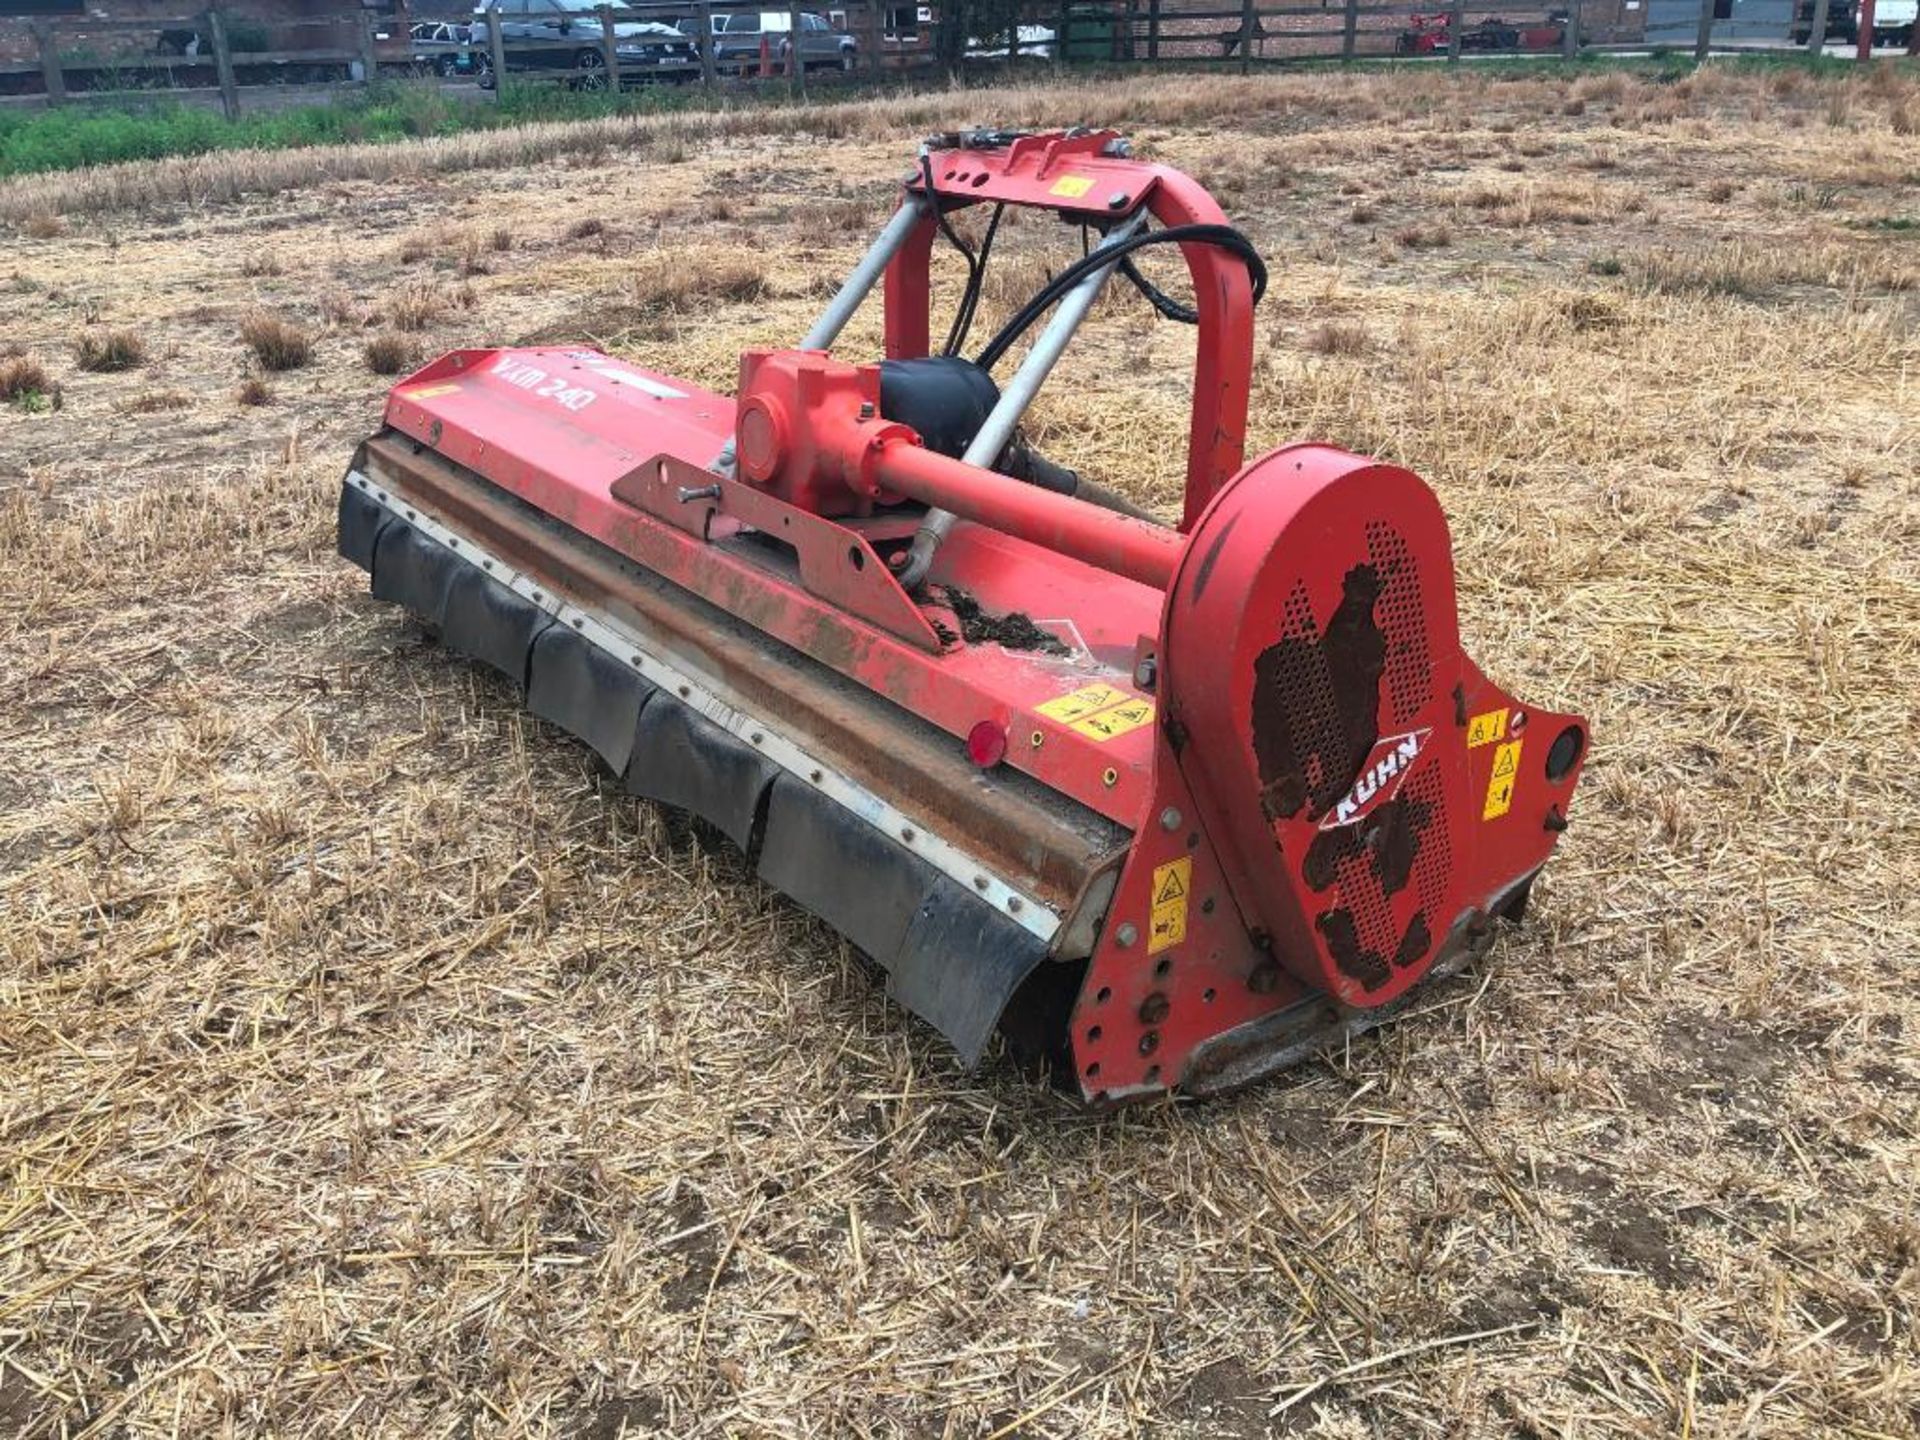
x=109, y=350
x=276, y=342
x=371, y=1068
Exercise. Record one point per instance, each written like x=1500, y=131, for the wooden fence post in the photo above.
x=609, y=49
x=223, y=65
x=1350, y=30
x=796, y=60
x=1817, y=32
x=369, y=54
x=50, y=72
x=496, y=51
x=1153, y=30
x=1703, y=37
x=950, y=37
x=1248, y=20
x=1061, y=22
x=1570, y=37
x=709, y=69
x=1129, y=46
x=875, y=38
x=1456, y=22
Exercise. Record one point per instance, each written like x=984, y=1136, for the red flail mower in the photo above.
x=1167, y=805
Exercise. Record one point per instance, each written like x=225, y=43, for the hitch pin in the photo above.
x=702, y=492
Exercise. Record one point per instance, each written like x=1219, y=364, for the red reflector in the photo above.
x=987, y=744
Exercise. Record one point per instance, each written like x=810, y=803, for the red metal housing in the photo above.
x=1325, y=798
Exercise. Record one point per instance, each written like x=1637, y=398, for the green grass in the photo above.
x=74, y=137
x=70, y=138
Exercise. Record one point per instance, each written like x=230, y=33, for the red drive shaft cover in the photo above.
x=1373, y=796
x=807, y=426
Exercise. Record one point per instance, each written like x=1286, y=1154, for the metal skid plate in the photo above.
x=955, y=951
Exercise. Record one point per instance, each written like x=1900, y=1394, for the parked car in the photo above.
x=1893, y=21
x=1427, y=35
x=436, y=48
x=182, y=42
x=574, y=35
x=1036, y=42
x=737, y=37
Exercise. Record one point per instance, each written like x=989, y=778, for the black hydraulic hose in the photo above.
x=957, y=333
x=1158, y=298
x=1225, y=236
x=970, y=302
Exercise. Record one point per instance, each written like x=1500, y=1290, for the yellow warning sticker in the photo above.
x=1116, y=720
x=1168, y=925
x=430, y=392
x=1506, y=769
x=1486, y=728
x=1072, y=187
x=1084, y=701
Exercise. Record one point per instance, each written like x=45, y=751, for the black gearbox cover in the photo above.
x=945, y=398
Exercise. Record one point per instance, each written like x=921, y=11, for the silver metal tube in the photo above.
x=854, y=289
x=865, y=275
x=1016, y=396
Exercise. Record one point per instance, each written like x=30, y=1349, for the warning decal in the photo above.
x=1117, y=720
x=1171, y=883
x=430, y=392
x=1506, y=769
x=1099, y=712
x=1083, y=701
x=1486, y=728
x=1072, y=187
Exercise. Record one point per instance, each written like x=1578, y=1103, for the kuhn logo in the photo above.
x=1387, y=765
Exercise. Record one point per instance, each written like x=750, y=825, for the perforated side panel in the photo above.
x=1352, y=813
x=1316, y=699
x=1401, y=616
x=1433, y=861
x=1325, y=693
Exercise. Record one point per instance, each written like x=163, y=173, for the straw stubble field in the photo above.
x=372, y=1067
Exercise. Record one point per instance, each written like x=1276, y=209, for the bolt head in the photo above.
x=1126, y=934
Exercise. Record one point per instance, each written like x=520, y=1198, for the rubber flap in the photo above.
x=960, y=964
x=411, y=570
x=587, y=693
x=682, y=758
x=361, y=521
x=490, y=623
x=950, y=957
x=857, y=880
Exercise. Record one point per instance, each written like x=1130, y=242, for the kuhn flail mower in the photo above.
x=1172, y=805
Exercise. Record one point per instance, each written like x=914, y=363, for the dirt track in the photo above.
x=373, y=1068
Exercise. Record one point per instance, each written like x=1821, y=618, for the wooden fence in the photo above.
x=700, y=42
